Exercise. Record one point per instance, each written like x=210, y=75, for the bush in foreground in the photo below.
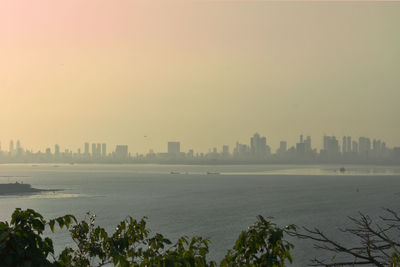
x=22, y=244
x=262, y=244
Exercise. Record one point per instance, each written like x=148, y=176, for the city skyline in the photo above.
x=334, y=150
x=89, y=146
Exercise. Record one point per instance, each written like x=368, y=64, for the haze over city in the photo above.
x=204, y=72
x=199, y=133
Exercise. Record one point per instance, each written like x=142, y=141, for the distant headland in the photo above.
x=20, y=188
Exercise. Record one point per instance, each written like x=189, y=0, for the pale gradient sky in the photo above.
x=204, y=73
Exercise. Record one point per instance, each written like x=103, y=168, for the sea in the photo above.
x=216, y=202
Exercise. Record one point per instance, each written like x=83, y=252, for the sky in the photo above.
x=206, y=73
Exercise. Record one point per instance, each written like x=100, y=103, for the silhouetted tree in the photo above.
x=377, y=244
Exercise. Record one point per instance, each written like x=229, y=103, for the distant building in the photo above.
x=11, y=147
x=241, y=150
x=56, y=150
x=300, y=148
x=364, y=146
x=87, y=148
x=354, y=146
x=258, y=146
x=344, y=145
x=348, y=142
x=331, y=148
x=121, y=152
x=18, y=148
x=93, y=149
x=174, y=148
x=307, y=143
x=303, y=147
x=396, y=153
x=282, y=148
x=104, y=149
x=98, y=150
x=225, y=151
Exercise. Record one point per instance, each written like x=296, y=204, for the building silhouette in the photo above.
x=87, y=149
x=121, y=152
x=174, y=148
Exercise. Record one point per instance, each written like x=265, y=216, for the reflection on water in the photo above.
x=314, y=170
x=49, y=195
x=44, y=195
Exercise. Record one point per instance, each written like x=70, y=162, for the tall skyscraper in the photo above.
x=11, y=147
x=93, y=150
x=307, y=143
x=104, y=149
x=354, y=147
x=364, y=146
x=241, y=150
x=344, y=145
x=87, y=148
x=225, y=150
x=282, y=147
x=56, y=150
x=18, y=148
x=258, y=146
x=121, y=152
x=303, y=146
x=174, y=148
x=348, y=141
x=98, y=150
x=331, y=146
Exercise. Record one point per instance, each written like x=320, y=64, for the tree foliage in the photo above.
x=22, y=244
x=21, y=241
x=261, y=245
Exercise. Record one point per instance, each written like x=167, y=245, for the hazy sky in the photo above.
x=205, y=73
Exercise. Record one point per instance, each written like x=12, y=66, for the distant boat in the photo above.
x=342, y=170
x=175, y=172
x=213, y=173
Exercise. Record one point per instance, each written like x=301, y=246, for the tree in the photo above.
x=377, y=247
x=261, y=245
x=21, y=244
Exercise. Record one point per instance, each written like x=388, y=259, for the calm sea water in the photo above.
x=217, y=206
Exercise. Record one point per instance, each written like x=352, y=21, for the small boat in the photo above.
x=173, y=172
x=342, y=170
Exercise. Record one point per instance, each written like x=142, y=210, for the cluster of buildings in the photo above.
x=346, y=150
x=92, y=153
